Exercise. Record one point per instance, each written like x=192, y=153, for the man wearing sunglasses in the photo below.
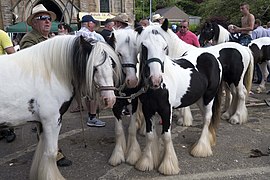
x=41, y=21
x=186, y=35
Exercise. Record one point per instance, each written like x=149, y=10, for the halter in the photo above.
x=156, y=60
x=129, y=65
x=97, y=86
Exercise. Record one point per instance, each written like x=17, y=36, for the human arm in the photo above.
x=248, y=26
x=6, y=43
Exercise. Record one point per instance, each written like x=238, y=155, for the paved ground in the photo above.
x=231, y=159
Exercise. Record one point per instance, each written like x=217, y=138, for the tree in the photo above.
x=229, y=10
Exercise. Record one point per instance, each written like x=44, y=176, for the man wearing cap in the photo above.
x=122, y=21
x=107, y=31
x=88, y=24
x=41, y=21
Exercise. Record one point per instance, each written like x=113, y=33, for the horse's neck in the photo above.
x=178, y=47
x=224, y=35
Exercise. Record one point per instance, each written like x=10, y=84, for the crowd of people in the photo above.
x=41, y=20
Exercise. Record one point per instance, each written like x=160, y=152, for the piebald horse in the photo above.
x=39, y=83
x=260, y=47
x=237, y=63
x=193, y=78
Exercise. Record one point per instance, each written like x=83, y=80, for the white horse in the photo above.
x=38, y=84
x=237, y=62
x=124, y=43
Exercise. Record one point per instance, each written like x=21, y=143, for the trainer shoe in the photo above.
x=95, y=122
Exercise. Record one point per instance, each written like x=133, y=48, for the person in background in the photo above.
x=144, y=22
x=186, y=35
x=107, y=31
x=41, y=21
x=247, y=23
x=88, y=24
x=122, y=21
x=6, y=47
x=158, y=18
x=63, y=29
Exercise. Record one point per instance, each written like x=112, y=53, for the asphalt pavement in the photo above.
x=241, y=151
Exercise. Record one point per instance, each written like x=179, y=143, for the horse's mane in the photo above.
x=67, y=57
x=224, y=35
x=53, y=55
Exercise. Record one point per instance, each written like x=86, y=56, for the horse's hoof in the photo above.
x=234, y=121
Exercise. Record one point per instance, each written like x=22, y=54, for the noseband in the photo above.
x=156, y=60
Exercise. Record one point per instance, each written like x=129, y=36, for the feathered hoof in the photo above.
x=116, y=159
x=234, y=121
x=260, y=89
x=144, y=164
x=225, y=116
x=201, y=150
x=133, y=157
x=169, y=168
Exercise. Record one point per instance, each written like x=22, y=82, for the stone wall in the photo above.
x=23, y=8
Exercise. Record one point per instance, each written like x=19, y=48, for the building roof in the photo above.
x=173, y=14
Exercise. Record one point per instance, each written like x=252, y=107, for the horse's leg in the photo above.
x=169, y=163
x=265, y=73
x=149, y=158
x=231, y=97
x=133, y=147
x=118, y=154
x=241, y=114
x=140, y=122
x=184, y=116
x=46, y=151
x=228, y=102
x=202, y=148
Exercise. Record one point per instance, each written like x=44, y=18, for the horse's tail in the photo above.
x=249, y=72
x=216, y=114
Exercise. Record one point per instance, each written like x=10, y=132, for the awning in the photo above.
x=22, y=27
x=97, y=16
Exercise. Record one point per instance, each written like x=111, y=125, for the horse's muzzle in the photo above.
x=155, y=82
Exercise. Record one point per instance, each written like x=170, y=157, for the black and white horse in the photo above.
x=260, y=47
x=195, y=77
x=237, y=62
x=38, y=84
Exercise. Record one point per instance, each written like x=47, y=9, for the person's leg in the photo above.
x=92, y=120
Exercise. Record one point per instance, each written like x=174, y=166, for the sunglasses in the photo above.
x=183, y=26
x=43, y=18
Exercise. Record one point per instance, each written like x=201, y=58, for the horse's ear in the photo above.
x=165, y=25
x=111, y=41
x=139, y=29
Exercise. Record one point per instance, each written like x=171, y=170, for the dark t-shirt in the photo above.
x=106, y=34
